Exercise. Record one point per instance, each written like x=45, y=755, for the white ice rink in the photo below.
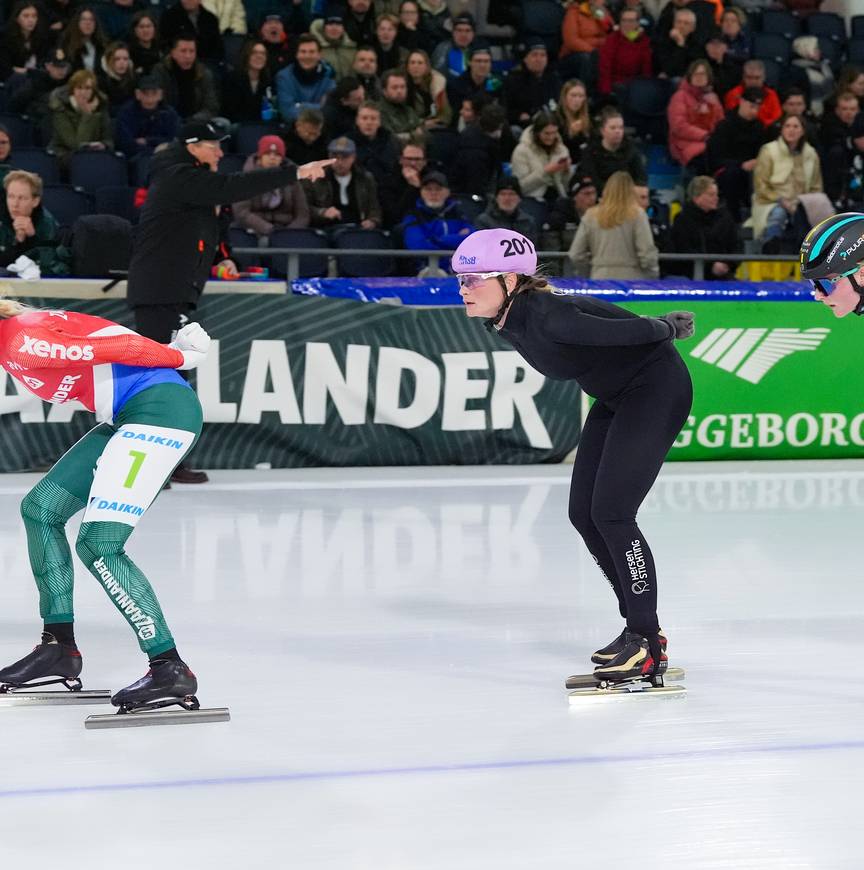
x=393, y=644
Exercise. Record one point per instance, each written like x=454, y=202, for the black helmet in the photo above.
x=834, y=248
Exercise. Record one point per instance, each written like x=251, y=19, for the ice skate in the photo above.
x=49, y=664
x=613, y=649
x=168, y=683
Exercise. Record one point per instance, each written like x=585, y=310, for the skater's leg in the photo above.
x=588, y=454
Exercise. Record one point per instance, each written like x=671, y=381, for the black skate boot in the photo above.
x=49, y=659
x=641, y=657
x=611, y=650
x=168, y=682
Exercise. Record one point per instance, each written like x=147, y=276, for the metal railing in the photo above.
x=431, y=257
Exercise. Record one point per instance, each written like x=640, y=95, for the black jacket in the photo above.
x=178, y=230
x=599, y=163
x=476, y=168
x=175, y=21
x=702, y=232
x=734, y=140
x=525, y=93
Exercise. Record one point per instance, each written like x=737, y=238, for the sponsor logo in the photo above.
x=636, y=565
x=47, y=350
x=33, y=383
x=61, y=394
x=836, y=246
x=153, y=439
x=751, y=353
x=136, y=616
x=466, y=261
x=848, y=251
x=120, y=507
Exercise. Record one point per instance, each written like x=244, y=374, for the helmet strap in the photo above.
x=859, y=308
x=508, y=299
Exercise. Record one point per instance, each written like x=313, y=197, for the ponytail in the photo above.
x=11, y=307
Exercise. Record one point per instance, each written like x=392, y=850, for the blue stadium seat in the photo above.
x=855, y=51
x=441, y=146
x=773, y=73
x=231, y=163
x=644, y=103
x=470, y=205
x=311, y=265
x=246, y=137
x=233, y=43
x=858, y=27
x=538, y=209
x=117, y=200
x=832, y=51
x=36, y=160
x=358, y=266
x=827, y=24
x=66, y=203
x=543, y=18
x=238, y=237
x=781, y=22
x=772, y=46
x=94, y=169
x=20, y=129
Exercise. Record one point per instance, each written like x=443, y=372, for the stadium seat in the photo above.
x=36, y=160
x=781, y=22
x=238, y=237
x=91, y=170
x=20, y=129
x=233, y=43
x=543, y=18
x=538, y=210
x=311, y=265
x=441, y=146
x=358, y=266
x=827, y=24
x=832, y=51
x=773, y=73
x=66, y=203
x=117, y=200
x=858, y=27
x=471, y=205
x=246, y=137
x=644, y=103
x=855, y=51
x=231, y=163
x=772, y=46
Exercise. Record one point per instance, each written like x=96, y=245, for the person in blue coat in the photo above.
x=304, y=83
x=435, y=223
x=145, y=122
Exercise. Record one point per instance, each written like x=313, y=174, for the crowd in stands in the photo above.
x=622, y=129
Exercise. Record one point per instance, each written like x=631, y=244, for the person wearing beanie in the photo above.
x=503, y=212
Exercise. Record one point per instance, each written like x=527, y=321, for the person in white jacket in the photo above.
x=541, y=161
x=231, y=15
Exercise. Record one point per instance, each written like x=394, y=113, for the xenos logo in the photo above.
x=45, y=350
x=751, y=353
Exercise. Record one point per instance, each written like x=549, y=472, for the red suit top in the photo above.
x=63, y=356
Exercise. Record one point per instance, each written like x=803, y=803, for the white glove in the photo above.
x=25, y=268
x=194, y=343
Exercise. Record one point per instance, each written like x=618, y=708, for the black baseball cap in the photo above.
x=201, y=131
x=578, y=183
x=753, y=95
x=57, y=57
x=509, y=182
x=435, y=177
x=148, y=83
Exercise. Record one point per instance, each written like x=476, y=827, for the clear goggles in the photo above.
x=824, y=286
x=471, y=280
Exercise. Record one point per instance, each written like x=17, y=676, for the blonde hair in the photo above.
x=582, y=115
x=618, y=204
x=11, y=307
x=30, y=178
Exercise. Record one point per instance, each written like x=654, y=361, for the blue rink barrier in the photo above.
x=445, y=291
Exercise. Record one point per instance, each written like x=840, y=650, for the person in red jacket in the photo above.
x=583, y=33
x=753, y=76
x=626, y=53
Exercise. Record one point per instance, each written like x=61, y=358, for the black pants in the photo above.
x=161, y=322
x=735, y=186
x=621, y=449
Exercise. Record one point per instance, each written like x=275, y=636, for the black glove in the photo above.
x=681, y=323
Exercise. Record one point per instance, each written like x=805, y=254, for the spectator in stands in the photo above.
x=360, y=22
x=677, y=48
x=646, y=20
x=284, y=207
x=819, y=73
x=851, y=78
x=293, y=16
x=341, y=105
x=191, y=19
x=5, y=150
x=703, y=226
x=478, y=164
x=753, y=76
x=541, y=160
x=567, y=212
x=574, y=120
x=785, y=169
x=504, y=212
x=57, y=14
x=305, y=142
x=25, y=40
x=337, y=48
x=143, y=42
x=82, y=40
x=304, y=83
x=732, y=151
x=626, y=53
x=33, y=96
x=24, y=223
x=377, y=147
x=396, y=115
x=366, y=69
x=347, y=194
x=230, y=14
x=694, y=111
x=115, y=18
x=435, y=223
x=436, y=24
x=614, y=239
x=399, y=190
x=725, y=70
x=477, y=79
x=795, y=103
x=427, y=90
x=245, y=88
x=584, y=30
x=705, y=18
x=836, y=145
x=186, y=83
x=611, y=152
x=657, y=212
x=732, y=29
x=411, y=36
x=531, y=86
x=390, y=54
x=145, y=122
x=80, y=118
x=115, y=76
x=279, y=49
x=450, y=57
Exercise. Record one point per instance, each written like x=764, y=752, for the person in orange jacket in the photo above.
x=583, y=32
x=753, y=76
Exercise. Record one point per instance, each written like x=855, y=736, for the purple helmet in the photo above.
x=495, y=251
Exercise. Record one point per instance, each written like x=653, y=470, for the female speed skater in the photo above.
x=643, y=395
x=832, y=259
x=151, y=418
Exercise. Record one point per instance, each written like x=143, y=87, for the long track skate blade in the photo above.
x=28, y=698
x=158, y=717
x=588, y=681
x=582, y=696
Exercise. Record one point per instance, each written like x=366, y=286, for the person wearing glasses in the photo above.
x=642, y=393
x=832, y=259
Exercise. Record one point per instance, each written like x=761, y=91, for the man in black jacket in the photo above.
x=531, y=86
x=478, y=163
x=178, y=232
x=190, y=18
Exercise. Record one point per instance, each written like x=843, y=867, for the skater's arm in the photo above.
x=568, y=324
